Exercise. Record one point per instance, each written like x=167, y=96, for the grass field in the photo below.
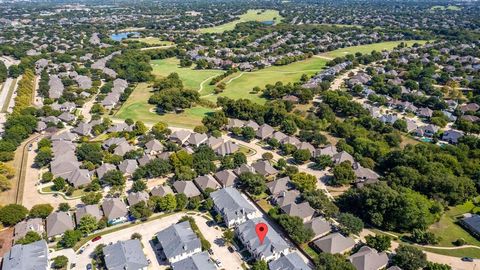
x=365, y=49
x=152, y=41
x=449, y=231
x=461, y=252
x=137, y=108
x=251, y=15
x=450, y=7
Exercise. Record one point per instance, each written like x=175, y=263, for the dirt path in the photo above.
x=204, y=81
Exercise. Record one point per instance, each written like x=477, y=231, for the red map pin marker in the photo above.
x=261, y=229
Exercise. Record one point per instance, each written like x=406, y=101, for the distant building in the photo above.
x=125, y=255
x=33, y=256
x=472, y=224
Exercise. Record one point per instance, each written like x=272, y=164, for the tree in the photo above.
x=294, y=227
x=248, y=133
x=379, y=242
x=193, y=203
x=323, y=161
x=182, y=201
x=90, y=152
x=304, y=181
x=59, y=184
x=423, y=237
x=64, y=207
x=60, y=262
x=44, y=156
x=260, y=265
x=41, y=210
x=253, y=183
x=136, y=235
x=409, y=258
x=87, y=224
x=267, y=156
x=239, y=158
x=350, y=224
x=343, y=174
x=320, y=201
x=70, y=238
x=92, y=198
x=437, y=266
x=139, y=185
x=302, y=155
x=11, y=214
x=327, y=261
x=30, y=237
x=168, y=203
x=114, y=178
x=228, y=236
x=140, y=210
x=4, y=183
x=3, y=72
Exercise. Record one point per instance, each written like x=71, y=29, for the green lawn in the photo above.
x=251, y=15
x=365, y=49
x=152, y=41
x=450, y=7
x=449, y=231
x=461, y=252
x=137, y=108
x=240, y=84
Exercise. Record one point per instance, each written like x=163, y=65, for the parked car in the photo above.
x=219, y=263
x=210, y=251
x=467, y=259
x=230, y=248
x=96, y=238
x=89, y=266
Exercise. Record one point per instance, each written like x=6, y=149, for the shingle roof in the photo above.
x=161, y=191
x=368, y=259
x=226, y=177
x=58, y=223
x=279, y=185
x=32, y=256
x=114, y=208
x=136, y=197
x=334, y=243
x=33, y=224
x=125, y=255
x=231, y=203
x=264, y=168
x=186, y=187
x=319, y=226
x=291, y=261
x=301, y=210
x=178, y=239
x=206, y=181
x=199, y=261
x=93, y=210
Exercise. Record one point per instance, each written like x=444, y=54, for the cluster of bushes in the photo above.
x=169, y=94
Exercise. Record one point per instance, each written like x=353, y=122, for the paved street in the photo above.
x=230, y=261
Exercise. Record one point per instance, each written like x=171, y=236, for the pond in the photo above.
x=123, y=35
x=269, y=22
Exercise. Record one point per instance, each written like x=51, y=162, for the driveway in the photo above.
x=149, y=229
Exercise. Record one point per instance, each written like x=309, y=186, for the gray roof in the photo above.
x=319, y=226
x=197, y=138
x=226, y=177
x=279, y=136
x=264, y=168
x=125, y=255
x=79, y=177
x=161, y=191
x=264, y=131
x=199, y=261
x=473, y=223
x=83, y=129
x=235, y=123
x=114, y=208
x=291, y=140
x=291, y=261
x=279, y=185
x=180, y=136
x=33, y=224
x=272, y=244
x=368, y=259
x=145, y=159
x=186, y=187
x=334, y=243
x=33, y=256
x=341, y=157
x=58, y=223
x=64, y=136
x=302, y=210
x=244, y=168
x=178, y=239
x=56, y=87
x=136, y=197
x=226, y=148
x=287, y=197
x=206, y=181
x=128, y=166
x=104, y=168
x=123, y=148
x=231, y=204
x=93, y=210
x=153, y=146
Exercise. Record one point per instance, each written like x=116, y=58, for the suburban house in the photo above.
x=125, y=255
x=278, y=186
x=179, y=242
x=58, y=223
x=187, y=187
x=368, y=258
x=180, y=136
x=302, y=210
x=161, y=191
x=29, y=256
x=452, y=136
x=25, y=226
x=233, y=207
x=264, y=168
x=153, y=147
x=319, y=226
x=226, y=178
x=273, y=247
x=136, y=197
x=471, y=223
x=206, y=181
x=93, y=210
x=291, y=261
x=264, y=132
x=334, y=243
x=115, y=210
x=286, y=197
x=199, y=261
x=104, y=168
